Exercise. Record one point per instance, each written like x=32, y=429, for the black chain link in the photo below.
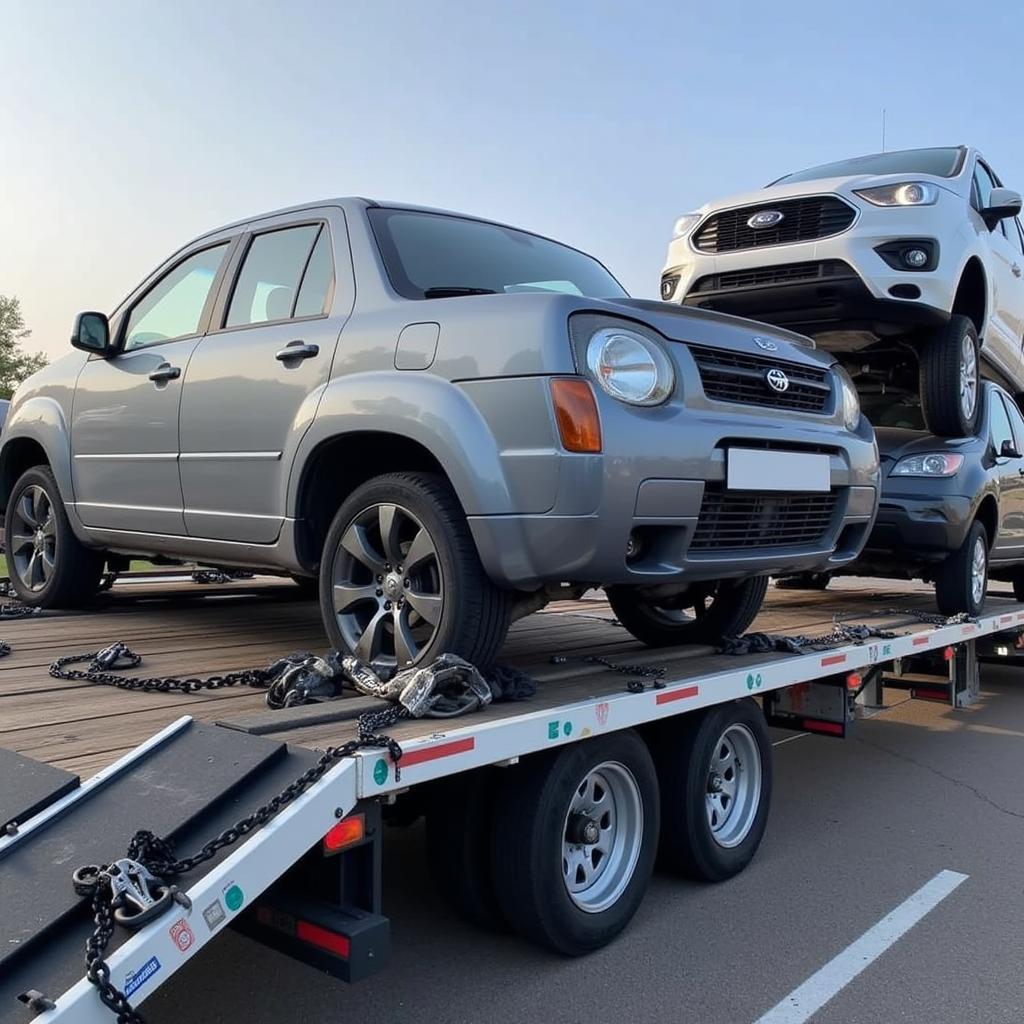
x=638, y=672
x=119, y=656
x=157, y=854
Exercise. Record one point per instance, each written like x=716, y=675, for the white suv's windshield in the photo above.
x=432, y=255
x=942, y=163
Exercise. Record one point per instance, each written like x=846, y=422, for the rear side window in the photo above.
x=173, y=307
x=271, y=277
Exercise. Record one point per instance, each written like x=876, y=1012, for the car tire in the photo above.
x=705, y=834
x=950, y=379
x=460, y=819
x=721, y=609
x=47, y=564
x=962, y=579
x=379, y=609
x=551, y=885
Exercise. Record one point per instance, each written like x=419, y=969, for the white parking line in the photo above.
x=825, y=984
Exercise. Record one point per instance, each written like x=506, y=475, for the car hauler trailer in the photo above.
x=544, y=812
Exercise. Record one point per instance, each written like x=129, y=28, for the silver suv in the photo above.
x=447, y=421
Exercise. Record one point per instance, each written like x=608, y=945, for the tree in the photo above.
x=15, y=365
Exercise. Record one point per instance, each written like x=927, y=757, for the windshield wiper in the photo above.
x=451, y=291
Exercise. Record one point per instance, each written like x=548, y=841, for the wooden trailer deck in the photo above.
x=185, y=629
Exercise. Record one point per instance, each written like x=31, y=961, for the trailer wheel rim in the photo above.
x=34, y=538
x=979, y=571
x=387, y=588
x=602, y=836
x=968, y=377
x=733, y=793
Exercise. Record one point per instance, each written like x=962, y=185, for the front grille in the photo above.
x=803, y=220
x=729, y=376
x=762, y=519
x=784, y=273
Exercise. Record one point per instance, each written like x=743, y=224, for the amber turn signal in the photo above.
x=576, y=414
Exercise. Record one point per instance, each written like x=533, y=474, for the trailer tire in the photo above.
x=460, y=817
x=725, y=608
x=551, y=884
x=950, y=382
x=688, y=753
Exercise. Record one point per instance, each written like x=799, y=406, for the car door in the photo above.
x=124, y=424
x=254, y=381
x=1010, y=541
x=1012, y=481
x=1005, y=268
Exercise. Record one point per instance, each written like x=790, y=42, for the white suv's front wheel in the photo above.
x=951, y=379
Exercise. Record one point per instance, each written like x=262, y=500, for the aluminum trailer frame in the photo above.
x=157, y=952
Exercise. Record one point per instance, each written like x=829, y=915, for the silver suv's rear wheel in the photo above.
x=400, y=579
x=48, y=566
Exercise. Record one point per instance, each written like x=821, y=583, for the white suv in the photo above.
x=907, y=263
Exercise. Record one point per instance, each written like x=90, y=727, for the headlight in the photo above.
x=931, y=464
x=629, y=366
x=906, y=193
x=848, y=400
x=685, y=224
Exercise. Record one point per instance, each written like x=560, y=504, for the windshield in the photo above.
x=432, y=255
x=942, y=163
x=892, y=410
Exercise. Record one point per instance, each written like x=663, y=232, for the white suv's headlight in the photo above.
x=849, y=402
x=685, y=225
x=930, y=464
x=906, y=193
x=629, y=366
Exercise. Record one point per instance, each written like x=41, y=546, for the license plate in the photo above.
x=749, y=469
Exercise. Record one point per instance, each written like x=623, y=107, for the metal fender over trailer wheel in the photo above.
x=715, y=772
x=574, y=840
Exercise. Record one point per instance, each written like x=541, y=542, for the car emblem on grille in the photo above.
x=765, y=344
x=765, y=219
x=776, y=380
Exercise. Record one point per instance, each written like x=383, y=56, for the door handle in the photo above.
x=162, y=374
x=1016, y=270
x=296, y=351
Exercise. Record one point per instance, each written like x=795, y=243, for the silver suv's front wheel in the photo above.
x=951, y=380
x=400, y=579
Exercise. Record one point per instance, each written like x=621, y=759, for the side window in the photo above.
x=983, y=185
x=1017, y=422
x=173, y=307
x=1013, y=229
x=999, y=425
x=268, y=284
x=318, y=280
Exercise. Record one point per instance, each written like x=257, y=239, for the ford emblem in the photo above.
x=765, y=219
x=766, y=344
x=777, y=380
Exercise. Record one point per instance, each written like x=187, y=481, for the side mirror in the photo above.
x=91, y=333
x=1008, y=450
x=1002, y=203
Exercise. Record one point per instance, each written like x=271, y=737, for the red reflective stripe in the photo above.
x=436, y=751
x=832, y=728
x=681, y=694
x=1006, y=618
x=833, y=659
x=918, y=640
x=966, y=630
x=332, y=942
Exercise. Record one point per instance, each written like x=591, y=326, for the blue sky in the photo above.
x=127, y=128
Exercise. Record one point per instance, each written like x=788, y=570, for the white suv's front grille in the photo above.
x=802, y=220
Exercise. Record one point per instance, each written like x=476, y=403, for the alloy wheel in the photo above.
x=387, y=588
x=34, y=538
x=968, y=377
x=734, y=786
x=979, y=571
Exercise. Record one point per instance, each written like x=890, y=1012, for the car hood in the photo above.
x=895, y=443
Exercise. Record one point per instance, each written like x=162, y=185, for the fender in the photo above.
x=40, y=419
x=424, y=408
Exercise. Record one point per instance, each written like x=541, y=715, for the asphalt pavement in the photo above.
x=857, y=828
